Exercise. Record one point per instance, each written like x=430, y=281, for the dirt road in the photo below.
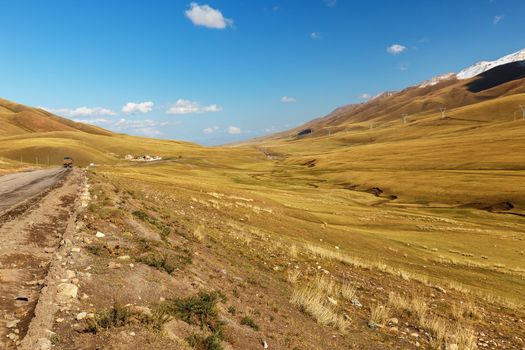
x=36, y=208
x=15, y=188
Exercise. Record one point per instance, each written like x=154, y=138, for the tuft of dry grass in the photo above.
x=348, y=291
x=293, y=276
x=462, y=339
x=294, y=252
x=327, y=285
x=438, y=329
x=379, y=314
x=416, y=306
x=199, y=233
x=465, y=311
x=398, y=301
x=419, y=308
x=312, y=301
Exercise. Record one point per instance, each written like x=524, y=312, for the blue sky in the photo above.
x=220, y=71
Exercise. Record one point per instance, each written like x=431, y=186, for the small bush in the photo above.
x=200, y=309
x=163, y=230
x=247, y=321
x=119, y=316
x=162, y=262
x=212, y=342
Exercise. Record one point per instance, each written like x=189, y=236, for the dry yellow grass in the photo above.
x=312, y=301
x=461, y=338
x=438, y=329
x=199, y=233
x=379, y=314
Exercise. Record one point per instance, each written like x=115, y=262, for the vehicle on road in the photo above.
x=68, y=162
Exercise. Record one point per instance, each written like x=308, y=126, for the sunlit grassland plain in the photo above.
x=469, y=249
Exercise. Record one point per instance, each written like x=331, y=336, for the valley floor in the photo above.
x=193, y=253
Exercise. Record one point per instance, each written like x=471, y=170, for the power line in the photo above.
x=443, y=112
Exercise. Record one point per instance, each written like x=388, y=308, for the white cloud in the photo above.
x=234, y=130
x=315, y=35
x=80, y=111
x=365, y=96
x=395, y=49
x=210, y=130
x=330, y=3
x=124, y=123
x=288, y=99
x=183, y=106
x=498, y=18
x=140, y=107
x=149, y=132
x=204, y=15
x=93, y=121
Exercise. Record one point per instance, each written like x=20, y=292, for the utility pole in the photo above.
x=404, y=118
x=443, y=110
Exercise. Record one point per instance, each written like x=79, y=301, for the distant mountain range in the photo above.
x=481, y=82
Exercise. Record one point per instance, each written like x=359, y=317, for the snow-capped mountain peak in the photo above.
x=484, y=66
x=437, y=79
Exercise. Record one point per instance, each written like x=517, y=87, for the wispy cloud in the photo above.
x=80, y=111
x=396, y=49
x=315, y=35
x=365, y=96
x=146, y=127
x=183, y=106
x=403, y=67
x=140, y=107
x=234, y=130
x=498, y=18
x=210, y=130
x=288, y=99
x=93, y=121
x=330, y=3
x=206, y=16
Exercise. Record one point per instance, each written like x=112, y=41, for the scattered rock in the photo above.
x=67, y=290
x=70, y=274
x=43, y=344
x=356, y=302
x=13, y=336
x=114, y=265
x=124, y=257
x=332, y=301
x=442, y=290
x=12, y=324
x=372, y=325
x=75, y=250
x=141, y=310
x=393, y=320
x=81, y=316
x=100, y=235
x=415, y=335
x=264, y=344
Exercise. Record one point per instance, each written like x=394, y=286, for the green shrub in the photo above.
x=247, y=321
